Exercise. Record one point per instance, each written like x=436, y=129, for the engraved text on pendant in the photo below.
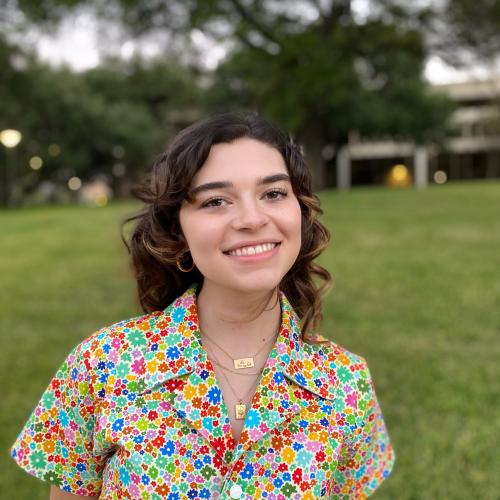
x=243, y=363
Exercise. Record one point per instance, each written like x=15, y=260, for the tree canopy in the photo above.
x=317, y=67
x=83, y=124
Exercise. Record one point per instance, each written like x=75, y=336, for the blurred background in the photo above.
x=397, y=107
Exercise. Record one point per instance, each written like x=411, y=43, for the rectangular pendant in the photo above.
x=243, y=363
x=240, y=410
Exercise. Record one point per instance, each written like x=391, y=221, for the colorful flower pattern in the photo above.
x=135, y=411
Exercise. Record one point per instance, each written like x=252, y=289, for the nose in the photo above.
x=250, y=215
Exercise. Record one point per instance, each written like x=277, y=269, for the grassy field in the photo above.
x=417, y=293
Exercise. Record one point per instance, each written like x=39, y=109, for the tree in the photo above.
x=314, y=66
x=322, y=78
x=468, y=32
x=82, y=124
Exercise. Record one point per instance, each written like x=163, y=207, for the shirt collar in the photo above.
x=175, y=347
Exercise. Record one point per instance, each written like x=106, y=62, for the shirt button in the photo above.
x=235, y=491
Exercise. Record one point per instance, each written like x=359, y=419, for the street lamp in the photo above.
x=10, y=138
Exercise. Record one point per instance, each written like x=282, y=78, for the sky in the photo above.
x=76, y=44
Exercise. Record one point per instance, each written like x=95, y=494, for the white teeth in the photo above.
x=265, y=247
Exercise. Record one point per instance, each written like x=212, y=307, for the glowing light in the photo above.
x=54, y=150
x=440, y=177
x=36, y=162
x=10, y=137
x=398, y=175
x=101, y=200
x=75, y=183
x=399, y=172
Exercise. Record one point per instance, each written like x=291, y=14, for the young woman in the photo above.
x=224, y=388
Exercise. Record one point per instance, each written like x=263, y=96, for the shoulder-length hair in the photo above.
x=157, y=241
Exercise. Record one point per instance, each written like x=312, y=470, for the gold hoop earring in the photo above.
x=184, y=270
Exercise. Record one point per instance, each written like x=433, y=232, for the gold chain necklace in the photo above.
x=240, y=363
x=240, y=408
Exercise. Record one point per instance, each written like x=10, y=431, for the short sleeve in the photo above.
x=56, y=444
x=367, y=456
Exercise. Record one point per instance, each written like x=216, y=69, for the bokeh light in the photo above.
x=36, y=162
x=398, y=175
x=54, y=150
x=119, y=169
x=75, y=183
x=101, y=200
x=440, y=177
x=10, y=137
x=118, y=151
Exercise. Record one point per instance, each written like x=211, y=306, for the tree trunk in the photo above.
x=311, y=138
x=5, y=185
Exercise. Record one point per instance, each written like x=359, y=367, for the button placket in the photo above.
x=235, y=491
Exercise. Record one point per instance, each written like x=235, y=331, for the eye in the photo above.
x=213, y=202
x=276, y=194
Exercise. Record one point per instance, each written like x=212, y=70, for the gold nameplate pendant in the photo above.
x=243, y=363
x=240, y=410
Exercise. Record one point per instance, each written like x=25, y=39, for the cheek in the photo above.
x=289, y=223
x=292, y=223
x=190, y=230
x=200, y=232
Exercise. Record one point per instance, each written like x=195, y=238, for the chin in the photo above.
x=257, y=285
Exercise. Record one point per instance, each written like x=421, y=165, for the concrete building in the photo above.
x=473, y=153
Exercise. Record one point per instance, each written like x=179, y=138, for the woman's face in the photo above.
x=243, y=226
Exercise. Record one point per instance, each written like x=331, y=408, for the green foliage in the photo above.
x=332, y=70
x=88, y=114
x=472, y=28
x=415, y=293
x=162, y=86
x=59, y=107
x=365, y=77
x=313, y=67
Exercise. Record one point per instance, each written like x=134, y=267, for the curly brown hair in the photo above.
x=157, y=243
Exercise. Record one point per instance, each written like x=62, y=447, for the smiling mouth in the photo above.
x=253, y=250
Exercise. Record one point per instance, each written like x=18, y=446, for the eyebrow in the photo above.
x=226, y=184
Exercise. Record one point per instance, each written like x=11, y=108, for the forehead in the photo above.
x=242, y=160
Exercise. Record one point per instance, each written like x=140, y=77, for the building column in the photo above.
x=343, y=168
x=421, y=167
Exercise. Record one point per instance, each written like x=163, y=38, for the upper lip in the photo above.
x=250, y=244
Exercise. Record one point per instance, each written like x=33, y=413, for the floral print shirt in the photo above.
x=135, y=411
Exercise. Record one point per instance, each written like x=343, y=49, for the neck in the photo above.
x=237, y=319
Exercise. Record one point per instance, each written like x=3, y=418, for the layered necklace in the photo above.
x=240, y=408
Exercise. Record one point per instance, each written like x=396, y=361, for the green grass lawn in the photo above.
x=417, y=293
